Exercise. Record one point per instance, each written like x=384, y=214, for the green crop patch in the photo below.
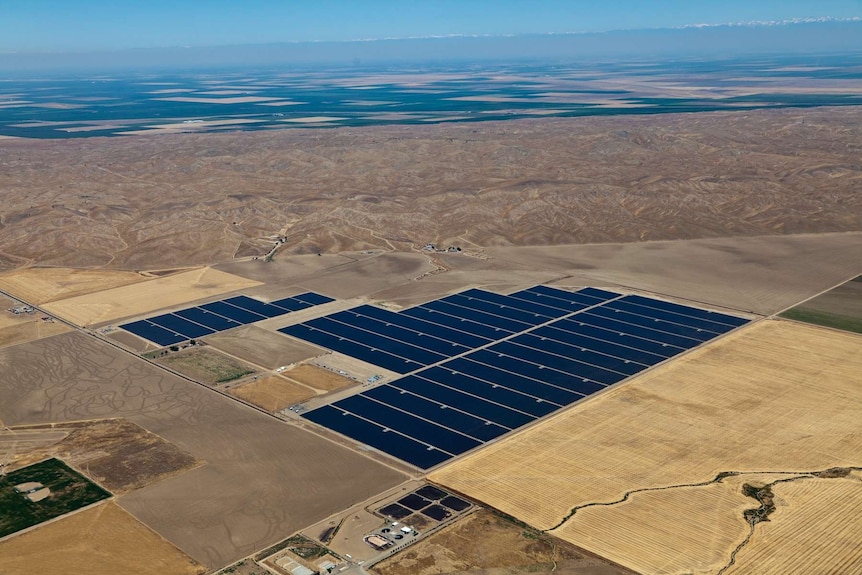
x=69, y=490
x=824, y=318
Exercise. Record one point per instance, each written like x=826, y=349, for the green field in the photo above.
x=69, y=491
x=824, y=318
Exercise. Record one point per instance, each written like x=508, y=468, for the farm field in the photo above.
x=262, y=347
x=840, y=308
x=317, y=377
x=795, y=388
x=272, y=393
x=815, y=524
x=30, y=330
x=237, y=501
x=206, y=365
x=141, y=298
x=116, y=453
x=69, y=491
x=486, y=542
x=103, y=540
x=43, y=285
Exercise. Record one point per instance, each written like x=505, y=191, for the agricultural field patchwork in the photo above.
x=69, y=490
x=839, y=308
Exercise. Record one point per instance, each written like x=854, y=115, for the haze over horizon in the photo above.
x=54, y=34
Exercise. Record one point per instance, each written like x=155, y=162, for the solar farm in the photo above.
x=477, y=365
x=198, y=321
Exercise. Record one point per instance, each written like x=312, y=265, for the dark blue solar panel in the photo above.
x=519, y=394
x=237, y=314
x=654, y=323
x=153, y=333
x=182, y=326
x=574, y=325
x=526, y=306
x=409, y=425
x=390, y=442
x=313, y=298
x=447, y=415
x=450, y=395
x=708, y=325
x=595, y=378
x=455, y=322
x=553, y=338
x=353, y=349
x=435, y=344
x=686, y=310
x=581, y=354
x=482, y=394
x=207, y=318
x=290, y=304
x=562, y=305
x=579, y=296
x=598, y=293
x=373, y=340
x=640, y=331
x=418, y=325
x=256, y=306
x=462, y=311
x=497, y=310
x=508, y=381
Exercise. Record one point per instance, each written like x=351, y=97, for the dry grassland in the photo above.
x=317, y=377
x=815, y=529
x=485, y=543
x=682, y=530
x=43, y=285
x=776, y=396
x=262, y=347
x=104, y=540
x=30, y=331
x=132, y=300
x=116, y=453
x=272, y=393
x=206, y=365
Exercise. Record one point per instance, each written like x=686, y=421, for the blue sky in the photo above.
x=84, y=25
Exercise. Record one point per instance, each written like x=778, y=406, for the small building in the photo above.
x=33, y=490
x=378, y=542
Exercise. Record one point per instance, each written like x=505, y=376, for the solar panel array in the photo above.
x=206, y=319
x=481, y=364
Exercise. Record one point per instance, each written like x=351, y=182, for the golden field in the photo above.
x=774, y=396
x=141, y=298
x=100, y=540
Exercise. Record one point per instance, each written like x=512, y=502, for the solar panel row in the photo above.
x=557, y=347
x=194, y=322
x=430, y=333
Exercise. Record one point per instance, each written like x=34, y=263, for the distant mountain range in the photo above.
x=785, y=37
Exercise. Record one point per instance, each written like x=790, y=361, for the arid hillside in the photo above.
x=184, y=199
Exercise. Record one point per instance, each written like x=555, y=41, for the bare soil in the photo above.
x=103, y=540
x=173, y=200
x=317, y=377
x=30, y=330
x=238, y=502
x=262, y=347
x=116, y=453
x=487, y=543
x=206, y=365
x=272, y=393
